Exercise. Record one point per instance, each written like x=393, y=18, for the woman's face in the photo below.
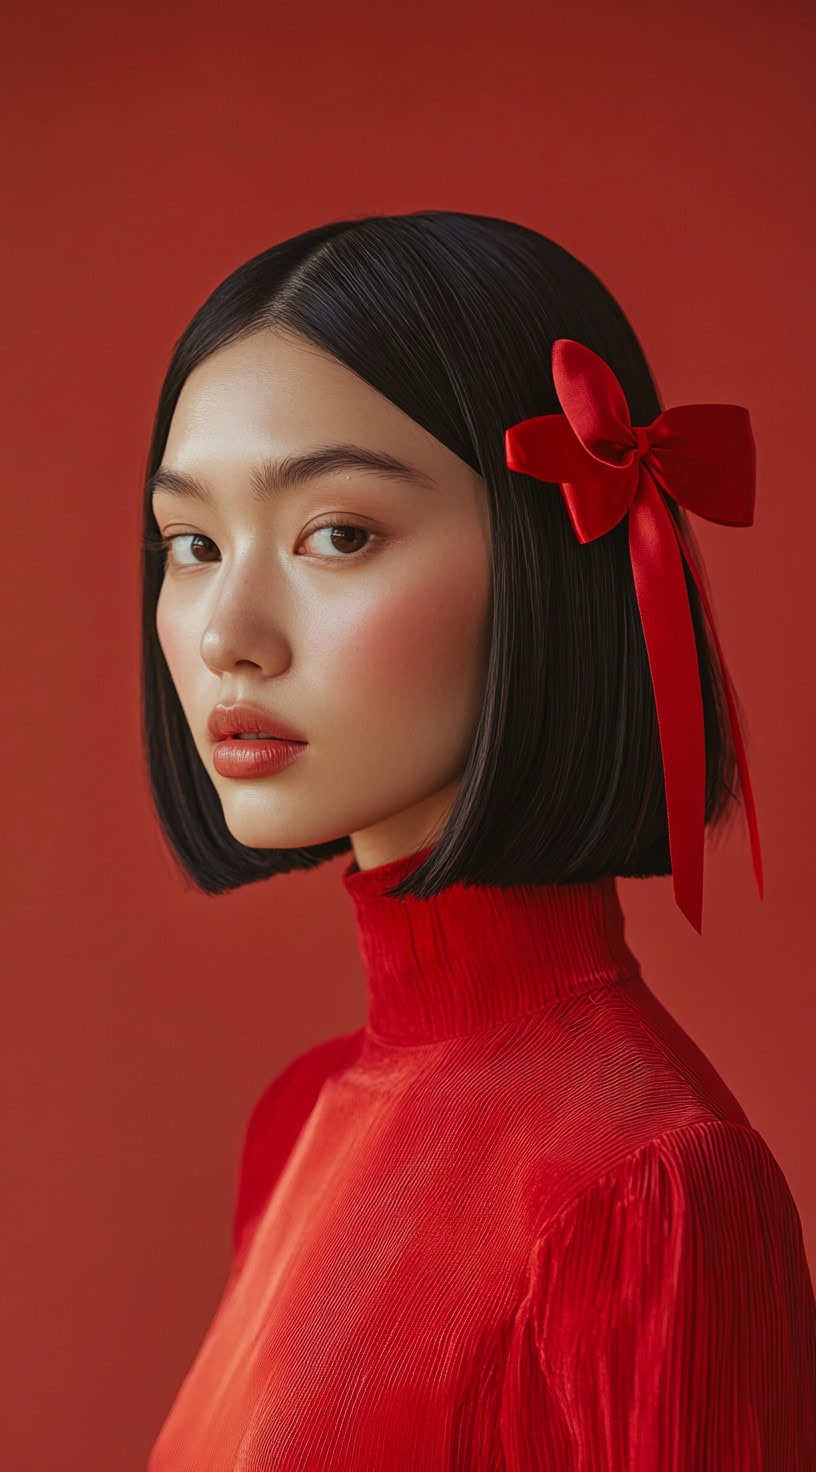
x=369, y=639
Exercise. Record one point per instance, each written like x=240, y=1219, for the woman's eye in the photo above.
x=344, y=542
x=168, y=544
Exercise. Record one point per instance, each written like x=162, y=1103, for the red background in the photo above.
x=152, y=151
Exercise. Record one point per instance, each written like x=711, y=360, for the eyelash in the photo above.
x=163, y=544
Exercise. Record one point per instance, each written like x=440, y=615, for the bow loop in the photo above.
x=704, y=457
x=593, y=401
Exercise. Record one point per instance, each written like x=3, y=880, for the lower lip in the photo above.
x=234, y=757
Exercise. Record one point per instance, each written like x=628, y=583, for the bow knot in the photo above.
x=704, y=457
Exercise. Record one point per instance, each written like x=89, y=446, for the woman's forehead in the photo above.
x=273, y=396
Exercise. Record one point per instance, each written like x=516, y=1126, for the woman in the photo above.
x=516, y=1220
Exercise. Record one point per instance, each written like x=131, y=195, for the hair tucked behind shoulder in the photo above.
x=452, y=317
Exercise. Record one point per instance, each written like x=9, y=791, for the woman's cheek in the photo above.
x=180, y=642
x=173, y=643
x=423, y=643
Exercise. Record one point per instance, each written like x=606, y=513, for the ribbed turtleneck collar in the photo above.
x=476, y=956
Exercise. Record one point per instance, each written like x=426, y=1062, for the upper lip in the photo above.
x=233, y=720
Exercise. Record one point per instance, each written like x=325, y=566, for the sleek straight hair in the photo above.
x=452, y=317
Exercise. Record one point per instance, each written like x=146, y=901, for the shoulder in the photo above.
x=672, y=1296
x=301, y=1077
x=700, y=1213
x=669, y=1310
x=704, y=1170
x=275, y=1121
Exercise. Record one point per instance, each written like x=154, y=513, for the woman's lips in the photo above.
x=236, y=756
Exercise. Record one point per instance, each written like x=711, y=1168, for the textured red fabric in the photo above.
x=517, y=1221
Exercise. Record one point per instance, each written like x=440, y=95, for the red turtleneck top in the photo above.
x=515, y=1223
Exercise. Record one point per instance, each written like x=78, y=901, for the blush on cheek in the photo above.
x=168, y=641
x=423, y=635
x=176, y=645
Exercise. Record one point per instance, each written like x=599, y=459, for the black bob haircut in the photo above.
x=452, y=317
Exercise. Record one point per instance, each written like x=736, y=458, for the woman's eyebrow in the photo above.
x=272, y=477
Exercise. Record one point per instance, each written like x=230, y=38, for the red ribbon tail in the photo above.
x=739, y=745
x=669, y=634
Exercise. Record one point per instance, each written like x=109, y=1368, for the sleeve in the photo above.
x=668, y=1322
x=274, y=1123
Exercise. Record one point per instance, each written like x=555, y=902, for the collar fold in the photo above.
x=477, y=956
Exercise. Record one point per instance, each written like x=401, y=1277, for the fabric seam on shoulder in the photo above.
x=654, y=1141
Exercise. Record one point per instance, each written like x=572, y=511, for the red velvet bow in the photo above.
x=704, y=456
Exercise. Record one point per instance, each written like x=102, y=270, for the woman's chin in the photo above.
x=277, y=835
